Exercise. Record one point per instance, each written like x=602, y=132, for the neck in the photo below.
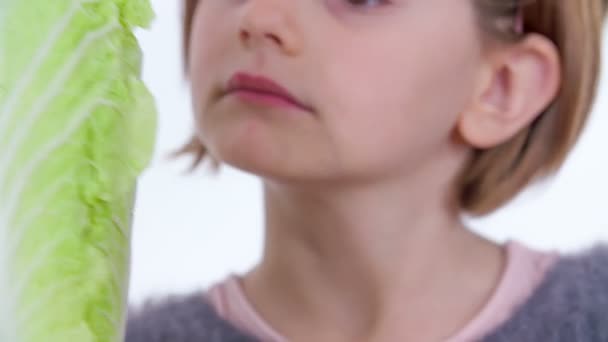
x=334, y=252
x=357, y=233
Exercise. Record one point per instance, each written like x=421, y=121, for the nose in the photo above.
x=268, y=23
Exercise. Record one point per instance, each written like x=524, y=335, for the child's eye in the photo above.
x=358, y=7
x=367, y=3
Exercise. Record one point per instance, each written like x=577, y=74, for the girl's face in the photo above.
x=382, y=83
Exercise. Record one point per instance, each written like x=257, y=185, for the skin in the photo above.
x=364, y=240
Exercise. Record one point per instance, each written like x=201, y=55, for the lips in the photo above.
x=262, y=87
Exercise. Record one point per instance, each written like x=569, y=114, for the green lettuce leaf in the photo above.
x=77, y=127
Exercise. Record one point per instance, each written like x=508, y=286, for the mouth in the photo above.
x=262, y=91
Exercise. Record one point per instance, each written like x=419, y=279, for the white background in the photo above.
x=191, y=230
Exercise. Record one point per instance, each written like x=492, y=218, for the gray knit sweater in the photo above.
x=571, y=305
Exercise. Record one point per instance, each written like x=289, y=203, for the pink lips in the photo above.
x=262, y=90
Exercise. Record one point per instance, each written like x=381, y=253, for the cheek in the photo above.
x=207, y=46
x=400, y=100
x=199, y=58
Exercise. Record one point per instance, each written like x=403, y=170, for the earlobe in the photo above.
x=517, y=84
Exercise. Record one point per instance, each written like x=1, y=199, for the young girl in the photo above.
x=374, y=125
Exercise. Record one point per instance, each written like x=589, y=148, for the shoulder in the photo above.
x=180, y=319
x=571, y=303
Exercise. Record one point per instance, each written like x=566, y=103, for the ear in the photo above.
x=517, y=83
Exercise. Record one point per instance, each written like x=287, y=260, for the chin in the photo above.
x=254, y=157
x=260, y=148
x=292, y=170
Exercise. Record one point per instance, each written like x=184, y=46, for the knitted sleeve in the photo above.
x=180, y=319
x=571, y=305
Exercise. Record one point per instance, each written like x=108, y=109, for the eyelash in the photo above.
x=377, y=3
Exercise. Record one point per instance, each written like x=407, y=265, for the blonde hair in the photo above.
x=494, y=176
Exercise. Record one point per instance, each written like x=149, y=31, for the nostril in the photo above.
x=246, y=35
x=274, y=38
